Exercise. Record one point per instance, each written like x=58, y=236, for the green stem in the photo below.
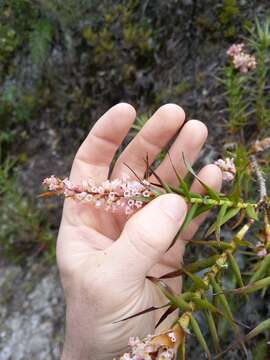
x=221, y=262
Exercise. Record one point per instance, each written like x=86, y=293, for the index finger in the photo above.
x=95, y=154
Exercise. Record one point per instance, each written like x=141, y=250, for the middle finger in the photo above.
x=189, y=142
x=150, y=140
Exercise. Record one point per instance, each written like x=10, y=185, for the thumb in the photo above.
x=148, y=234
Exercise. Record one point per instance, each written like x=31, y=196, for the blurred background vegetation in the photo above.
x=64, y=62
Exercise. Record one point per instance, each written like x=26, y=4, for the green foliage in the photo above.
x=235, y=94
x=40, y=40
x=260, y=43
x=23, y=227
x=205, y=290
x=247, y=95
x=8, y=41
x=228, y=15
x=228, y=11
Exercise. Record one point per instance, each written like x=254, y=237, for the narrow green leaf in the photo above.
x=219, y=221
x=197, y=331
x=180, y=302
x=235, y=269
x=202, y=304
x=202, y=264
x=199, y=283
x=203, y=208
x=264, y=266
x=176, y=300
x=255, y=286
x=251, y=212
x=223, y=301
x=263, y=326
x=241, y=242
x=213, y=243
x=231, y=213
x=213, y=330
x=182, y=350
x=192, y=267
x=189, y=217
x=182, y=184
x=210, y=192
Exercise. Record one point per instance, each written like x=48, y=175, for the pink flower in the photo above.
x=235, y=49
x=147, y=350
x=244, y=62
x=228, y=169
x=53, y=183
x=112, y=195
x=241, y=60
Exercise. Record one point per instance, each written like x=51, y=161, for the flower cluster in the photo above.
x=128, y=195
x=241, y=60
x=152, y=347
x=228, y=169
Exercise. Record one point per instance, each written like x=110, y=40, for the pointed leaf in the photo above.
x=253, y=287
x=182, y=184
x=251, y=212
x=202, y=264
x=223, y=301
x=199, y=283
x=210, y=192
x=213, y=329
x=235, y=269
x=180, y=302
x=47, y=194
x=182, y=350
x=213, y=243
x=177, y=300
x=264, y=266
x=192, y=267
x=150, y=309
x=219, y=221
x=197, y=331
x=164, y=185
x=203, y=208
x=164, y=316
x=262, y=327
x=189, y=217
x=202, y=304
x=229, y=215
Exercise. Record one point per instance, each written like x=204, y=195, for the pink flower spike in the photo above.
x=109, y=195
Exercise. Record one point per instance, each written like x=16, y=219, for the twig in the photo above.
x=260, y=177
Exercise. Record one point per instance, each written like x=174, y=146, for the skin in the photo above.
x=104, y=258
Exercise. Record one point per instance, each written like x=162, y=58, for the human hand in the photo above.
x=103, y=257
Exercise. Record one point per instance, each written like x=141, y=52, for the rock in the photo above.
x=31, y=315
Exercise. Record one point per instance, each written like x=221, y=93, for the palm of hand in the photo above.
x=89, y=249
